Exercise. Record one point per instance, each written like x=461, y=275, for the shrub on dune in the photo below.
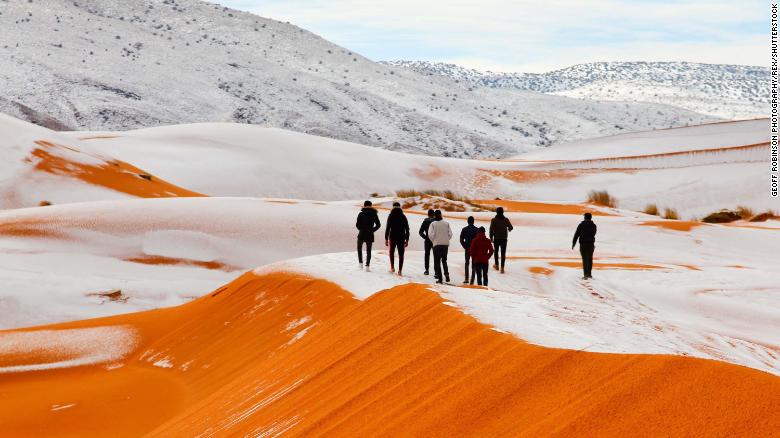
x=765, y=216
x=722, y=217
x=602, y=197
x=446, y=195
x=651, y=209
x=744, y=212
x=407, y=193
x=671, y=213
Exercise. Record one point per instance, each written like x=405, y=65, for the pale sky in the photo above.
x=533, y=36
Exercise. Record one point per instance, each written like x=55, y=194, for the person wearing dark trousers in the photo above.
x=500, y=227
x=397, y=236
x=427, y=242
x=440, y=234
x=467, y=234
x=367, y=223
x=586, y=234
x=481, y=249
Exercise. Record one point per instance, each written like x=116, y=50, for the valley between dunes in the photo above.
x=200, y=280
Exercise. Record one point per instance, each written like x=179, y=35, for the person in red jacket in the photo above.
x=481, y=249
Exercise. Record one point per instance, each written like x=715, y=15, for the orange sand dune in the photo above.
x=673, y=225
x=543, y=207
x=289, y=354
x=114, y=174
x=31, y=228
x=99, y=137
x=540, y=270
x=162, y=260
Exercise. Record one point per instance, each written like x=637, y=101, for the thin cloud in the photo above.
x=531, y=34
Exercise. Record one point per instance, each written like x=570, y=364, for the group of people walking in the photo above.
x=436, y=234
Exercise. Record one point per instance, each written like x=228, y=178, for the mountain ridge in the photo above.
x=722, y=90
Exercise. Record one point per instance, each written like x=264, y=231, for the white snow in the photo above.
x=66, y=348
x=707, y=136
x=728, y=91
x=237, y=160
x=23, y=186
x=164, y=363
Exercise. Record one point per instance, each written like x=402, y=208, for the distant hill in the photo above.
x=728, y=91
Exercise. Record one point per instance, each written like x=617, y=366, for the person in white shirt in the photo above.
x=440, y=234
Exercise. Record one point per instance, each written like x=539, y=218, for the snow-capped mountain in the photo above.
x=114, y=65
x=728, y=91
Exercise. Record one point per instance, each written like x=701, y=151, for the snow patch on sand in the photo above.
x=54, y=349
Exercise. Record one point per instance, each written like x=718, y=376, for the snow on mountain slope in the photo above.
x=729, y=91
x=696, y=170
x=40, y=165
x=98, y=65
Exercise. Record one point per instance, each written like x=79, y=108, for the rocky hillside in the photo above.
x=114, y=65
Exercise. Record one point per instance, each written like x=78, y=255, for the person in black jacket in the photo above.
x=367, y=223
x=500, y=227
x=467, y=234
x=424, y=234
x=586, y=233
x=397, y=236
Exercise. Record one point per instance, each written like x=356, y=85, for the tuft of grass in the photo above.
x=408, y=204
x=765, y=216
x=445, y=194
x=407, y=193
x=602, y=197
x=722, y=217
x=744, y=212
x=651, y=209
x=671, y=213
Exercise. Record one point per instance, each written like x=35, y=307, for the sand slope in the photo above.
x=289, y=354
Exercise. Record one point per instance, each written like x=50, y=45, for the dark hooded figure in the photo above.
x=586, y=233
x=500, y=227
x=367, y=223
x=426, y=224
x=397, y=236
x=481, y=250
x=467, y=234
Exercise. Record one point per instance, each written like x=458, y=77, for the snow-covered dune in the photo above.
x=247, y=160
x=43, y=166
x=695, y=170
x=119, y=256
x=684, y=309
x=662, y=141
